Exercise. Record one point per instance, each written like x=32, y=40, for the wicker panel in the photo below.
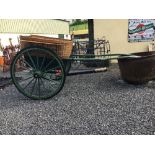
x=62, y=47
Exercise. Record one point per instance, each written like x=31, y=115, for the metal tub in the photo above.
x=138, y=70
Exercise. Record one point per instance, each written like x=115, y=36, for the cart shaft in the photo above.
x=92, y=57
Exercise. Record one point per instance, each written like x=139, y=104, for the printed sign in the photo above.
x=141, y=30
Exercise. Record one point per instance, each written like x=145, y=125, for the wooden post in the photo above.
x=91, y=36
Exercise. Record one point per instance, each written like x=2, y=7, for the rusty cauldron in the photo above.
x=138, y=70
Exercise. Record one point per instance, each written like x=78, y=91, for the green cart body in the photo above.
x=39, y=70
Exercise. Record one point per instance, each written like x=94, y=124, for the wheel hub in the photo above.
x=37, y=74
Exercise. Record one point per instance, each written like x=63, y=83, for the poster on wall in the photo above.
x=141, y=30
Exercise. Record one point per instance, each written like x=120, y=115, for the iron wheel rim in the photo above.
x=38, y=74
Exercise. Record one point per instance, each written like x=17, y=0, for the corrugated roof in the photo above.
x=34, y=26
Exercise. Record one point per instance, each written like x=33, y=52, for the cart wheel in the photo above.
x=38, y=73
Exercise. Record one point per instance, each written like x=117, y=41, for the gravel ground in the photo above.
x=98, y=103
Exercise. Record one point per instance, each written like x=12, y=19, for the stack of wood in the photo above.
x=8, y=53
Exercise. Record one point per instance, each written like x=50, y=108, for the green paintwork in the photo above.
x=41, y=73
x=92, y=57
